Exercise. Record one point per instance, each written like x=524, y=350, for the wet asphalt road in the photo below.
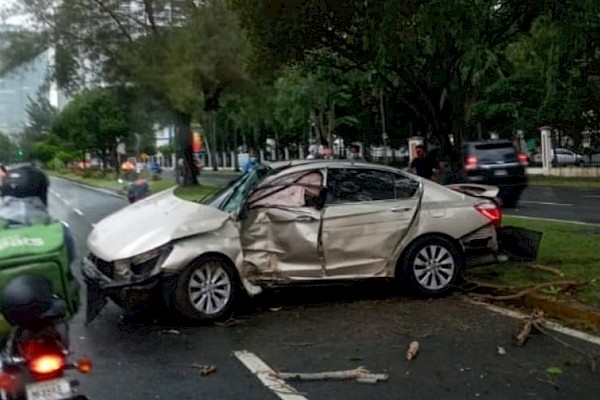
x=318, y=329
x=575, y=204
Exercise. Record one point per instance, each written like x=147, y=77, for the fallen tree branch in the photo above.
x=360, y=374
x=530, y=289
x=554, y=271
x=535, y=320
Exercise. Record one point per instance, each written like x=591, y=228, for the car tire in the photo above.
x=217, y=279
x=432, y=264
x=510, y=202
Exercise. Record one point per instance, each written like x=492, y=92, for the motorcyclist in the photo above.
x=24, y=193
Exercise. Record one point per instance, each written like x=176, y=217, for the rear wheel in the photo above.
x=206, y=290
x=432, y=265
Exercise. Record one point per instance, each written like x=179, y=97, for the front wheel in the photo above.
x=432, y=265
x=206, y=290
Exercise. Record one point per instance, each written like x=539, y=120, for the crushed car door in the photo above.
x=280, y=228
x=367, y=214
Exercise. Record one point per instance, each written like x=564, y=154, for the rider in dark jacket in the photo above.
x=25, y=200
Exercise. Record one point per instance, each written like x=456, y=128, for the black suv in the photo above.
x=497, y=163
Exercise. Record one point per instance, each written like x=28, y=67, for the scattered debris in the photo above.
x=501, y=350
x=205, y=369
x=535, y=320
x=554, y=271
x=229, y=323
x=275, y=309
x=170, y=332
x=413, y=349
x=360, y=374
x=554, y=370
x=522, y=290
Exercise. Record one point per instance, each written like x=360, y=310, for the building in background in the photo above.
x=23, y=83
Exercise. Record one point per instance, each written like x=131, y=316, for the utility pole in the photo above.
x=384, y=135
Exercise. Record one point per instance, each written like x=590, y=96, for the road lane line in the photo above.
x=549, y=324
x=267, y=376
x=548, y=203
x=78, y=212
x=564, y=221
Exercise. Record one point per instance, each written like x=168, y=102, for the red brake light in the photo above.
x=47, y=364
x=523, y=159
x=471, y=162
x=491, y=211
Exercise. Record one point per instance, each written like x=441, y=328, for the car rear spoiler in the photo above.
x=477, y=190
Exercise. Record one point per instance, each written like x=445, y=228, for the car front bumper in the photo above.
x=133, y=294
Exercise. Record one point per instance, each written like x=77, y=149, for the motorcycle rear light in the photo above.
x=523, y=159
x=491, y=211
x=471, y=163
x=47, y=364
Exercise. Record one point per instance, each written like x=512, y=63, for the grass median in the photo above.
x=110, y=184
x=561, y=181
x=567, y=252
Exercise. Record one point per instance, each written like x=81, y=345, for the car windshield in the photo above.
x=230, y=197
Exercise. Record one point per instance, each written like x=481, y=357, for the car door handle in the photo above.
x=400, y=209
x=305, y=218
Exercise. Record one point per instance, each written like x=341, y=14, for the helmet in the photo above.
x=29, y=301
x=26, y=181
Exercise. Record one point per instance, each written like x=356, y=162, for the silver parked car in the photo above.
x=289, y=222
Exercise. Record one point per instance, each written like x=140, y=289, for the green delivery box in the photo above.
x=38, y=250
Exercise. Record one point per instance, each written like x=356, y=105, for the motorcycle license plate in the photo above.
x=56, y=389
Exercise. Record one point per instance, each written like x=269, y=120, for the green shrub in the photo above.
x=156, y=177
x=55, y=164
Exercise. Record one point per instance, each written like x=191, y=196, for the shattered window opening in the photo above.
x=356, y=185
x=289, y=191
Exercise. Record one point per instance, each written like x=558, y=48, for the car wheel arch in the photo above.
x=428, y=235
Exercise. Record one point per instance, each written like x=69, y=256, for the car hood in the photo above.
x=151, y=223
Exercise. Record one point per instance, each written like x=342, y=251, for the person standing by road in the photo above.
x=250, y=162
x=424, y=165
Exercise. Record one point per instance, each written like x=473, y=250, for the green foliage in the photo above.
x=166, y=150
x=7, y=148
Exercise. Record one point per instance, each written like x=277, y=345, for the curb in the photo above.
x=567, y=310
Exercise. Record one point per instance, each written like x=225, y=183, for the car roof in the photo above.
x=288, y=167
x=489, y=141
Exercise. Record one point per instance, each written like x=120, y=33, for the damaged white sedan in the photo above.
x=285, y=223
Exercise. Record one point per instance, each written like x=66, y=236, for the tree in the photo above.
x=432, y=57
x=96, y=120
x=7, y=149
x=184, y=54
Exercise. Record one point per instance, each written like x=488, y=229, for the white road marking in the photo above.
x=548, y=203
x=266, y=376
x=78, y=212
x=564, y=221
x=549, y=324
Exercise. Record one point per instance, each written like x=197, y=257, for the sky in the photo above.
x=5, y=6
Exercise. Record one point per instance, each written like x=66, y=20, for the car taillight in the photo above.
x=47, y=364
x=491, y=211
x=471, y=162
x=523, y=159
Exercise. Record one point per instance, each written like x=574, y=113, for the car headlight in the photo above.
x=146, y=263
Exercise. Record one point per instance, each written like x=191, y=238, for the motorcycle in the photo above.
x=35, y=356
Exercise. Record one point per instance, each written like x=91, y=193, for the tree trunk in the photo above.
x=213, y=135
x=331, y=125
x=189, y=169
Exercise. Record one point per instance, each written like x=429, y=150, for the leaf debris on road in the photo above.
x=413, y=349
x=205, y=369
